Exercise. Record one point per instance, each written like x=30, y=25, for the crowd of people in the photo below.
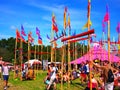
x=105, y=75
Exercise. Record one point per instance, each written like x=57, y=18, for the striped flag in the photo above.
x=54, y=24
x=22, y=31
x=39, y=40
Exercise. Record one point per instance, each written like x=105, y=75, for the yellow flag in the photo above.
x=86, y=25
x=68, y=21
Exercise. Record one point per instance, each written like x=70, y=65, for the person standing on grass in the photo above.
x=5, y=73
x=52, y=76
x=0, y=69
x=0, y=72
x=109, y=85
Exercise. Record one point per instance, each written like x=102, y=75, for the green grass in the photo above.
x=38, y=83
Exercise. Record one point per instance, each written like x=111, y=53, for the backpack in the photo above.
x=110, y=76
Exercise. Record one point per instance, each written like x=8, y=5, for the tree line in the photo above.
x=7, y=51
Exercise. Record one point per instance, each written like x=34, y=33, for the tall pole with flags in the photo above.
x=107, y=19
x=69, y=59
x=17, y=39
x=88, y=25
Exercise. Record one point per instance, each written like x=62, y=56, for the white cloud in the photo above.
x=2, y=36
x=13, y=27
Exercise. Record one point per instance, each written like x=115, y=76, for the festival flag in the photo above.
x=30, y=38
x=86, y=25
x=22, y=31
x=74, y=33
x=91, y=40
x=69, y=21
x=37, y=31
x=55, y=38
x=18, y=36
x=48, y=37
x=23, y=39
x=118, y=28
x=64, y=23
x=54, y=25
x=39, y=40
x=106, y=17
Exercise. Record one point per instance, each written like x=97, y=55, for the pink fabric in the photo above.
x=96, y=52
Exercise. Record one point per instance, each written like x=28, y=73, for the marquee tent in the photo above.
x=96, y=52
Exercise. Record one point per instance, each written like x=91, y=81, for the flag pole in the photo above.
x=15, y=56
x=69, y=59
x=89, y=6
x=21, y=49
x=35, y=53
x=109, y=41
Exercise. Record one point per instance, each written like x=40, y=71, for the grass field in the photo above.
x=38, y=83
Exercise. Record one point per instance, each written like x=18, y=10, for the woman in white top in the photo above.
x=5, y=73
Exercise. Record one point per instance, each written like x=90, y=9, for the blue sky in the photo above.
x=38, y=13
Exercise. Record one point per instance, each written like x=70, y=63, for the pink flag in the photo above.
x=107, y=16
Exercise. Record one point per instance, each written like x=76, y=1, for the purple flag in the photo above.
x=118, y=28
x=37, y=31
x=22, y=31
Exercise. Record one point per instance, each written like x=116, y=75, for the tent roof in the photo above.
x=96, y=52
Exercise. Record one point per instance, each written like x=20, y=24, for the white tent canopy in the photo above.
x=36, y=61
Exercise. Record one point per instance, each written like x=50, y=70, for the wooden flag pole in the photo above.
x=35, y=53
x=15, y=57
x=89, y=43
x=69, y=59
x=62, y=66
x=21, y=50
x=109, y=41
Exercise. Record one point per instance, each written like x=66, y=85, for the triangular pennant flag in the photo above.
x=86, y=25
